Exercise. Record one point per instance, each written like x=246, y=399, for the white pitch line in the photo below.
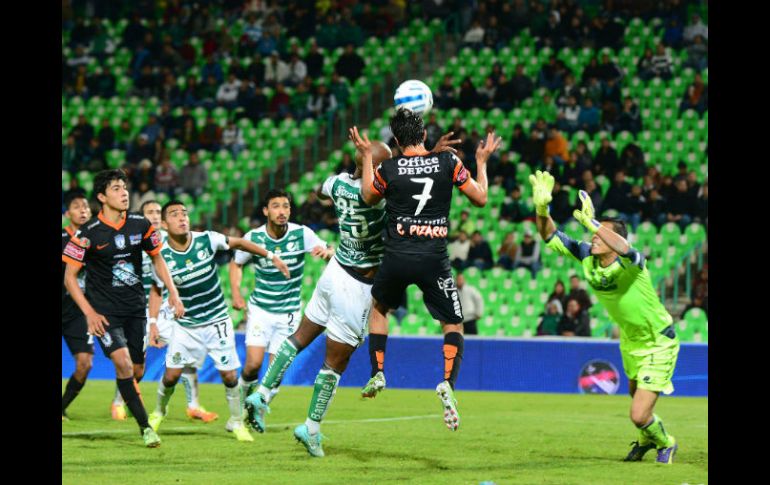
x=279, y=425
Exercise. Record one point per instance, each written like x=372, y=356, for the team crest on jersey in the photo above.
x=189, y=264
x=85, y=242
x=120, y=241
x=135, y=239
x=203, y=254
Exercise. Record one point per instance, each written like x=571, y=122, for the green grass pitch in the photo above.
x=399, y=437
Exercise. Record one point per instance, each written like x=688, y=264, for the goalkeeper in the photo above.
x=620, y=279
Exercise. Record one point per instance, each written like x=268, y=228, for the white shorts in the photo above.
x=190, y=345
x=341, y=303
x=269, y=330
x=165, y=323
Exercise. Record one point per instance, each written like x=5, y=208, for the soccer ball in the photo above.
x=414, y=95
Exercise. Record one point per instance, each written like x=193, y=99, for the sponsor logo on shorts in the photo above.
x=106, y=339
x=647, y=379
x=120, y=241
x=224, y=360
x=447, y=285
x=176, y=358
x=598, y=377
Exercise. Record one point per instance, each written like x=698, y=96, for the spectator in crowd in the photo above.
x=444, y=97
x=254, y=105
x=696, y=28
x=82, y=132
x=193, y=177
x=350, y=64
x=655, y=209
x=433, y=132
x=696, y=96
x=673, y=34
x=595, y=193
x=702, y=205
x=515, y=209
x=617, y=194
x=69, y=156
x=74, y=189
x=279, y=104
x=584, y=156
x=609, y=70
x=588, y=118
x=504, y=173
x=569, y=114
x=632, y=160
x=227, y=94
x=468, y=97
x=145, y=172
x=297, y=71
x=314, y=60
x=212, y=68
x=474, y=37
x=549, y=323
x=506, y=254
x=276, y=71
x=559, y=293
x=549, y=76
x=556, y=146
x=518, y=139
x=630, y=118
x=232, y=139
x=106, y=135
x=143, y=194
x=569, y=89
x=697, y=54
x=472, y=304
x=166, y=177
x=522, y=85
x=662, y=65
x=606, y=160
x=211, y=135
x=346, y=165
x=573, y=170
x=634, y=207
x=479, y=254
x=578, y=293
x=322, y=103
x=574, y=322
x=697, y=301
x=298, y=102
x=486, y=94
x=528, y=255
x=140, y=150
x=207, y=93
x=645, y=67
x=681, y=206
x=339, y=89
x=311, y=212
x=458, y=250
x=256, y=71
x=700, y=286
x=152, y=130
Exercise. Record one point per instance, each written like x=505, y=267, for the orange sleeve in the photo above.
x=156, y=250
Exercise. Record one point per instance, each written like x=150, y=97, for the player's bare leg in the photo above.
x=453, y=354
x=337, y=359
x=651, y=430
x=256, y=404
x=378, y=338
x=83, y=364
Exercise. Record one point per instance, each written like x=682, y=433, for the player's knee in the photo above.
x=230, y=378
x=639, y=417
x=84, y=364
x=249, y=373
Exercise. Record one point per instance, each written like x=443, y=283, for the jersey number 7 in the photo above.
x=425, y=195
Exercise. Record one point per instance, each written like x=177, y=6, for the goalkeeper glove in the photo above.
x=585, y=216
x=542, y=186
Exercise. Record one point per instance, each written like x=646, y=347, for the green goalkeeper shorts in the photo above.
x=652, y=364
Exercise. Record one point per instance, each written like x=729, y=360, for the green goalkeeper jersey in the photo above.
x=624, y=288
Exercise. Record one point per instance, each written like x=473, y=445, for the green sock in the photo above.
x=323, y=392
x=164, y=396
x=657, y=433
x=281, y=362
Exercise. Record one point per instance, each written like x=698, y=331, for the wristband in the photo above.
x=543, y=211
x=270, y=255
x=152, y=320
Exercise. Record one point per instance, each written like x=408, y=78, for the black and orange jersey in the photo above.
x=69, y=308
x=112, y=255
x=418, y=194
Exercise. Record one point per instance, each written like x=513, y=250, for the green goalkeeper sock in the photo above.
x=281, y=362
x=323, y=391
x=657, y=433
x=164, y=396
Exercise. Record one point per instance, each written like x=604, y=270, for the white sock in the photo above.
x=164, y=396
x=313, y=427
x=118, y=399
x=189, y=379
x=265, y=391
x=271, y=395
x=233, y=395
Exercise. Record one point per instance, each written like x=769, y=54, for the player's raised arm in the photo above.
x=250, y=247
x=542, y=186
x=369, y=191
x=477, y=190
x=585, y=216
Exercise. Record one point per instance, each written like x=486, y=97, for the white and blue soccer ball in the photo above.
x=414, y=95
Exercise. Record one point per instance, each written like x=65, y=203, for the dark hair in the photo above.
x=274, y=194
x=146, y=203
x=168, y=204
x=73, y=197
x=103, y=179
x=407, y=127
x=618, y=225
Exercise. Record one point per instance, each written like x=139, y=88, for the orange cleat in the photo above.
x=118, y=412
x=202, y=414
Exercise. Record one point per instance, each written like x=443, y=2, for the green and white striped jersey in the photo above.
x=272, y=291
x=196, y=277
x=361, y=226
x=148, y=270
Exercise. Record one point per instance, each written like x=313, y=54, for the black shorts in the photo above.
x=125, y=332
x=430, y=272
x=75, y=333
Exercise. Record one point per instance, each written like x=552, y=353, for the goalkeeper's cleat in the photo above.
x=155, y=418
x=449, y=403
x=638, y=451
x=151, y=438
x=118, y=412
x=666, y=455
x=375, y=385
x=236, y=427
x=312, y=442
x=202, y=414
x=256, y=407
